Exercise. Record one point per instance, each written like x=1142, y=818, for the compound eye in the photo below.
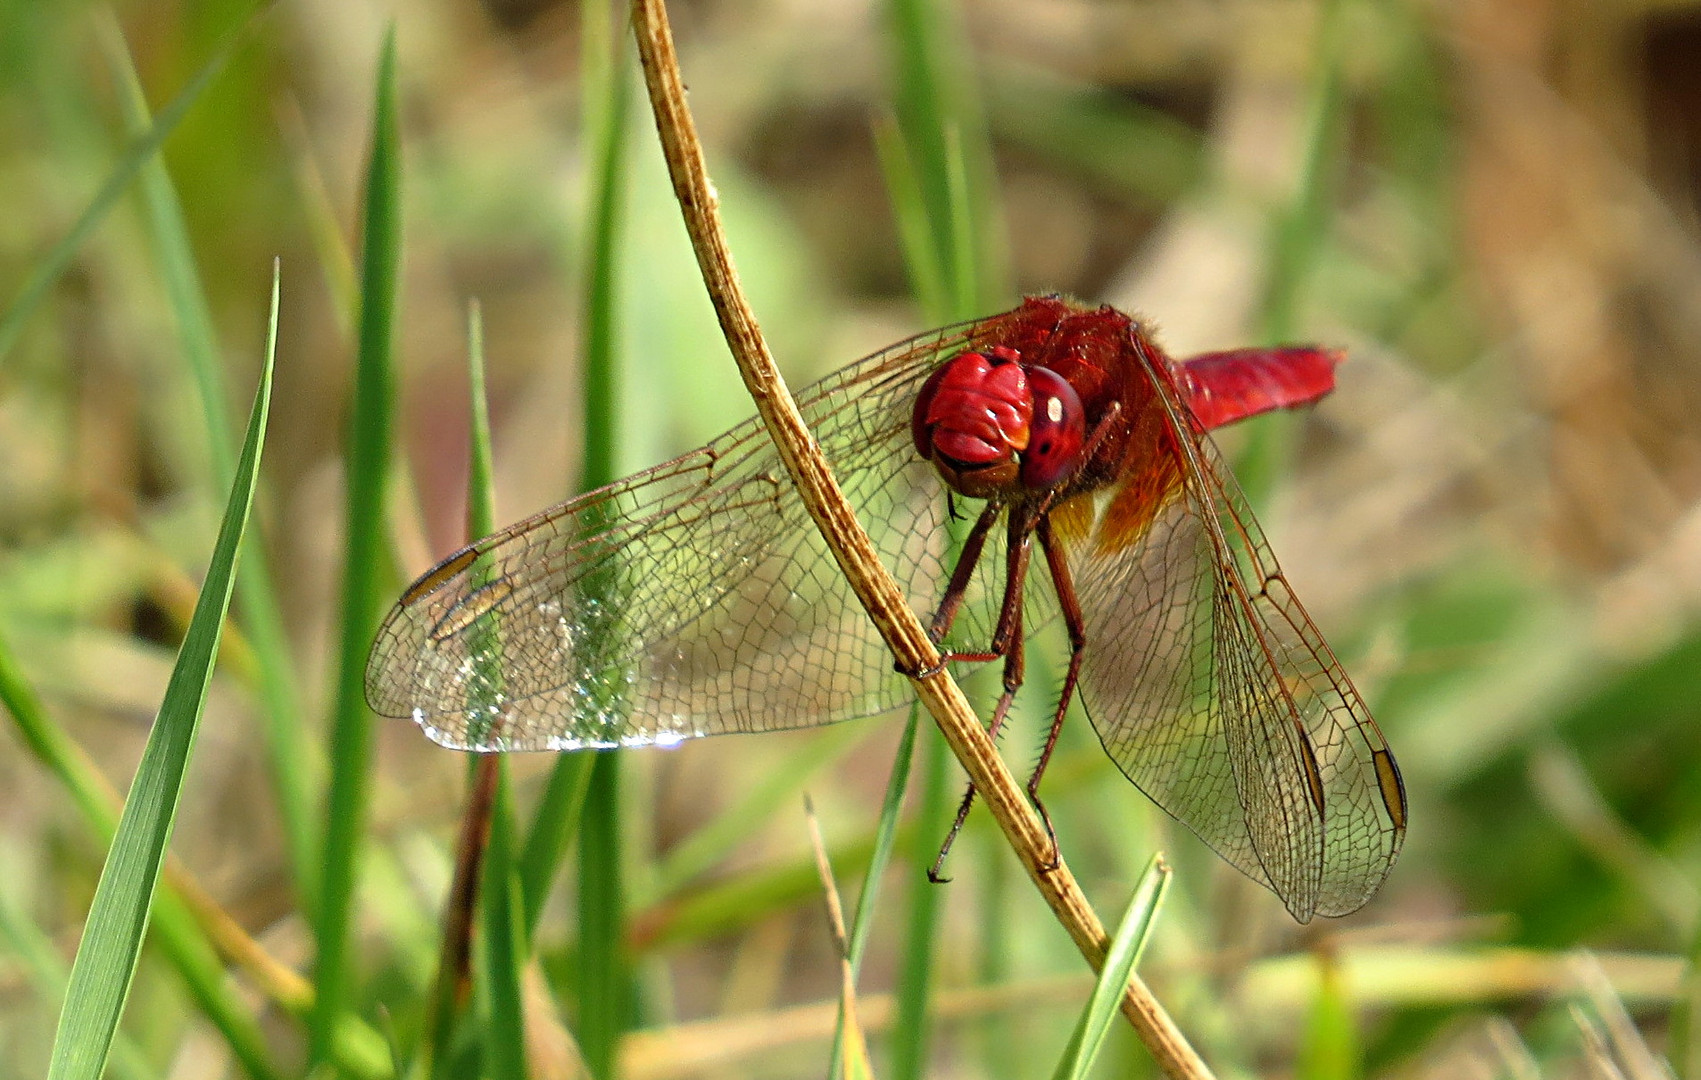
x=1057, y=432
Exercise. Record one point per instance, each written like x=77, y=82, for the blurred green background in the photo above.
x=1492, y=206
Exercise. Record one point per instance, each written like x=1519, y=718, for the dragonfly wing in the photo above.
x=1214, y=693
x=692, y=599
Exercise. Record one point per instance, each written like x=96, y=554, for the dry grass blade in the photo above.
x=850, y=545
x=855, y=1049
x=1625, y=1043
x=1597, y=1055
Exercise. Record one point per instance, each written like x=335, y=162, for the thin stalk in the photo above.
x=915, y=977
x=367, y=459
x=604, y=980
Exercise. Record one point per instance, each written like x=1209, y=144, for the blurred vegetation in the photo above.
x=1496, y=208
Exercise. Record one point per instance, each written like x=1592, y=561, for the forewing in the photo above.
x=692, y=599
x=1215, y=694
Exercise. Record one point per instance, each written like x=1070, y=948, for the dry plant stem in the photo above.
x=854, y=551
x=454, y=957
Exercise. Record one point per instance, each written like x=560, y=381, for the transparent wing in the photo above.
x=692, y=599
x=1214, y=693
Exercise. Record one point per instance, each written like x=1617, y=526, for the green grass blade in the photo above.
x=925, y=71
x=604, y=980
x=288, y=752
x=141, y=149
x=502, y=912
x=603, y=984
x=934, y=170
x=862, y=924
x=606, y=97
x=944, y=130
x=909, y=212
x=1126, y=947
x=182, y=941
x=915, y=978
x=555, y=822
x=368, y=455
x=1329, y=1048
x=1297, y=237
x=112, y=937
x=481, y=460
x=502, y=947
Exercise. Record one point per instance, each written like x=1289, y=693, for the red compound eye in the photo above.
x=1056, y=433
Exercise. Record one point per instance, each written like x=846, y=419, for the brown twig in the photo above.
x=454, y=951
x=854, y=551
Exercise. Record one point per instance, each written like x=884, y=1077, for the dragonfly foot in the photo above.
x=926, y=672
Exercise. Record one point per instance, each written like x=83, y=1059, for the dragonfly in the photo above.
x=697, y=598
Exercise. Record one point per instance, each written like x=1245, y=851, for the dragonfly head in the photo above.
x=991, y=424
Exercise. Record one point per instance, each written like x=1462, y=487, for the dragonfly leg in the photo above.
x=1009, y=628
x=1013, y=670
x=1006, y=642
x=957, y=589
x=1076, y=626
x=952, y=602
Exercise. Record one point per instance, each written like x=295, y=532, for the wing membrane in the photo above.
x=692, y=599
x=1214, y=693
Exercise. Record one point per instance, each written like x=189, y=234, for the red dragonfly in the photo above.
x=697, y=597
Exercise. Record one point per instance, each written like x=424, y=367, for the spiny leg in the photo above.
x=1076, y=626
x=1006, y=642
x=1013, y=670
x=957, y=589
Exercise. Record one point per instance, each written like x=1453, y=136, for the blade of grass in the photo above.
x=1126, y=948
x=485, y=771
x=850, y=1046
x=555, y=821
x=915, y=977
x=112, y=937
x=141, y=149
x=886, y=832
x=367, y=456
x=179, y=936
x=502, y=942
x=909, y=211
x=186, y=923
x=288, y=753
x=944, y=129
x=182, y=935
x=1328, y=1049
x=502, y=923
x=1296, y=238
x=603, y=986
x=558, y=816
